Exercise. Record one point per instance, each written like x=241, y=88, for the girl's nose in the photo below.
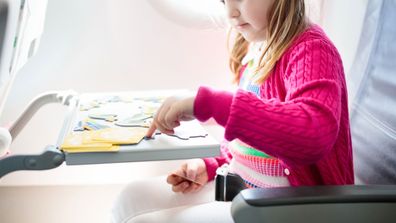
x=232, y=12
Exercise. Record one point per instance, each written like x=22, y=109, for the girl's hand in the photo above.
x=191, y=177
x=171, y=112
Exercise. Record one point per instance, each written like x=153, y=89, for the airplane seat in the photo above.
x=372, y=101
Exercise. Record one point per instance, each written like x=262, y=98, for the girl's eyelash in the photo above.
x=222, y=1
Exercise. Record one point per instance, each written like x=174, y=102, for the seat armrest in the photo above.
x=352, y=203
x=320, y=194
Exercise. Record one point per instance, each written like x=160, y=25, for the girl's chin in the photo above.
x=251, y=38
x=252, y=35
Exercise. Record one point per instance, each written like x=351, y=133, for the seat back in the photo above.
x=372, y=89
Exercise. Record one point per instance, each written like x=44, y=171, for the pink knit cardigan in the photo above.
x=301, y=116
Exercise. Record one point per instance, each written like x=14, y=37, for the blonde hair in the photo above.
x=286, y=20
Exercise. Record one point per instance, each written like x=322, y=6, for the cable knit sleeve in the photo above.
x=212, y=163
x=303, y=128
x=214, y=104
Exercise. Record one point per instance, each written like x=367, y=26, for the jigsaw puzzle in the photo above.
x=105, y=123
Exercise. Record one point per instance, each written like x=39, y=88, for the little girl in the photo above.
x=286, y=125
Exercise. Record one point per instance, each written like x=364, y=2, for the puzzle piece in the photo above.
x=133, y=123
x=119, y=135
x=79, y=127
x=138, y=117
x=115, y=99
x=185, y=177
x=150, y=110
x=187, y=131
x=138, y=120
x=180, y=136
x=89, y=125
x=113, y=148
x=82, y=142
x=106, y=117
x=90, y=105
x=187, y=136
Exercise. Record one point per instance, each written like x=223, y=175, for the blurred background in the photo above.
x=125, y=45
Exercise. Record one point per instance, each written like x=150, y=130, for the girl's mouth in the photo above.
x=241, y=26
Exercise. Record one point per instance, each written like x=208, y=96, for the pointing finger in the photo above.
x=151, y=130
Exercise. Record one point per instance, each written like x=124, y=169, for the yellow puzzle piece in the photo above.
x=82, y=142
x=119, y=136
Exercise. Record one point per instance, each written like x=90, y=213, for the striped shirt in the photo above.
x=255, y=167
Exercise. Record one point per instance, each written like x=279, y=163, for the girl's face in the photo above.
x=249, y=17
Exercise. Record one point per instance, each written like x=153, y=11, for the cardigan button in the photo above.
x=287, y=171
